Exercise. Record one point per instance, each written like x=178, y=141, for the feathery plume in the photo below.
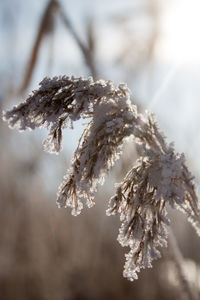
x=159, y=178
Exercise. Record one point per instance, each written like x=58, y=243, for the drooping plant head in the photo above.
x=158, y=179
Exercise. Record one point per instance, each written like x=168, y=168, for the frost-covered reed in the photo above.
x=159, y=178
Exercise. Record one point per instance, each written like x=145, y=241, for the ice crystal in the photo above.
x=158, y=179
x=141, y=200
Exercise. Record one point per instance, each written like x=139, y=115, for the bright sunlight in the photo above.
x=181, y=39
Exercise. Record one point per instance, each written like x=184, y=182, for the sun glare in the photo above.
x=181, y=32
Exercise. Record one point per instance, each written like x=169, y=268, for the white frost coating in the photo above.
x=141, y=199
x=99, y=148
x=159, y=177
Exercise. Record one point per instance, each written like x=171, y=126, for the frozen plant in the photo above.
x=159, y=178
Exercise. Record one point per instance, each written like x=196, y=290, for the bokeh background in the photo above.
x=153, y=46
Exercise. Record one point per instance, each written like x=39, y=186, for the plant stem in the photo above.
x=178, y=260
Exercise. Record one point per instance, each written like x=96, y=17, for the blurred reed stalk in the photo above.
x=178, y=260
x=46, y=27
x=86, y=50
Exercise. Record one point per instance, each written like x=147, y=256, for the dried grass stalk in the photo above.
x=159, y=178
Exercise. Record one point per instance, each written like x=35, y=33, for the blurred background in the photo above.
x=153, y=46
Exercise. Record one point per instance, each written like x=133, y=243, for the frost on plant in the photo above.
x=158, y=179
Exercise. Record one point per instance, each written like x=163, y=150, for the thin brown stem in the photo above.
x=85, y=50
x=178, y=259
x=45, y=27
